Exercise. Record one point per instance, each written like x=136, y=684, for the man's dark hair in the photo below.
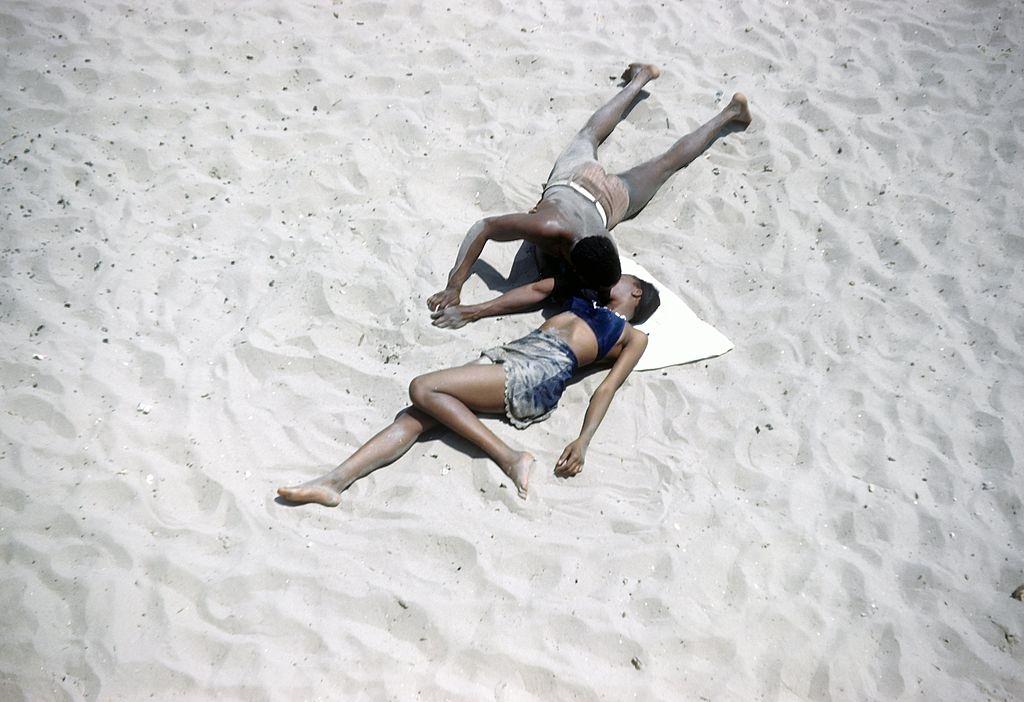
x=596, y=261
x=650, y=300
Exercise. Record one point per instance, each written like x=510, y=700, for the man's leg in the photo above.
x=453, y=397
x=644, y=180
x=383, y=449
x=583, y=147
x=602, y=122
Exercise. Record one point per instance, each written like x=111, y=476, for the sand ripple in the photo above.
x=219, y=230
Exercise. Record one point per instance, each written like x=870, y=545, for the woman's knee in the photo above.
x=424, y=387
x=420, y=389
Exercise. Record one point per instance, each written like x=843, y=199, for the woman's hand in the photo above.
x=572, y=459
x=451, y=317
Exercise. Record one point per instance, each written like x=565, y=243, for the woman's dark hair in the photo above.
x=649, y=302
x=596, y=262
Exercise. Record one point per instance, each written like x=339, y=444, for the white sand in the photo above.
x=219, y=230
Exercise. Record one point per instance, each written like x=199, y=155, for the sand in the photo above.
x=220, y=227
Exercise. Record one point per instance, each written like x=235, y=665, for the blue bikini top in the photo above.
x=606, y=325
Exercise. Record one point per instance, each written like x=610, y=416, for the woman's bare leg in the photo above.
x=453, y=397
x=644, y=180
x=383, y=449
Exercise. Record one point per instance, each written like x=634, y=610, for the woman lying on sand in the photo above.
x=526, y=384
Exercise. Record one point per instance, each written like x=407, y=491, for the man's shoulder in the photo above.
x=542, y=228
x=547, y=226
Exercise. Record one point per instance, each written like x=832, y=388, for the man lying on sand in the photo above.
x=527, y=389
x=581, y=203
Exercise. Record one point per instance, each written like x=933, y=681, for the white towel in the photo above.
x=676, y=334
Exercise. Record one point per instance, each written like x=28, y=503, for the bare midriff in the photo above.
x=575, y=332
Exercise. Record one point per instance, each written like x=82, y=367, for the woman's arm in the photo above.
x=572, y=458
x=515, y=300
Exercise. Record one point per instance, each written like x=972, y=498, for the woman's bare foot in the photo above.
x=636, y=69
x=519, y=472
x=739, y=100
x=322, y=491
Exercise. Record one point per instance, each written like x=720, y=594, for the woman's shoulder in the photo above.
x=633, y=338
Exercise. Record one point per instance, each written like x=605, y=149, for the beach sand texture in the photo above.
x=220, y=227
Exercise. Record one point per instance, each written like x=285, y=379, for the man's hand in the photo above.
x=571, y=461
x=446, y=298
x=451, y=317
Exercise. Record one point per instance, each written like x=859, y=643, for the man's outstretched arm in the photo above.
x=510, y=227
x=515, y=300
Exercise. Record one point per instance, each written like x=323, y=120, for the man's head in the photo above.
x=634, y=298
x=596, y=262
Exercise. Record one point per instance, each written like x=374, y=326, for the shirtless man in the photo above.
x=581, y=203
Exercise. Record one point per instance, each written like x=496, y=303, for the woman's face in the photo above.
x=625, y=295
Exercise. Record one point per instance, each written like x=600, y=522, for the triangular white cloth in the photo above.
x=676, y=334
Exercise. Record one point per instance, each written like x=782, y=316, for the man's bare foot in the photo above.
x=519, y=472
x=636, y=69
x=739, y=100
x=320, y=491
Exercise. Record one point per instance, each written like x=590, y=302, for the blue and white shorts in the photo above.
x=537, y=369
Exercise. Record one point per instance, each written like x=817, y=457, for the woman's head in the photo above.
x=634, y=298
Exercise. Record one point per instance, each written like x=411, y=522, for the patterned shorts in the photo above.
x=537, y=369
